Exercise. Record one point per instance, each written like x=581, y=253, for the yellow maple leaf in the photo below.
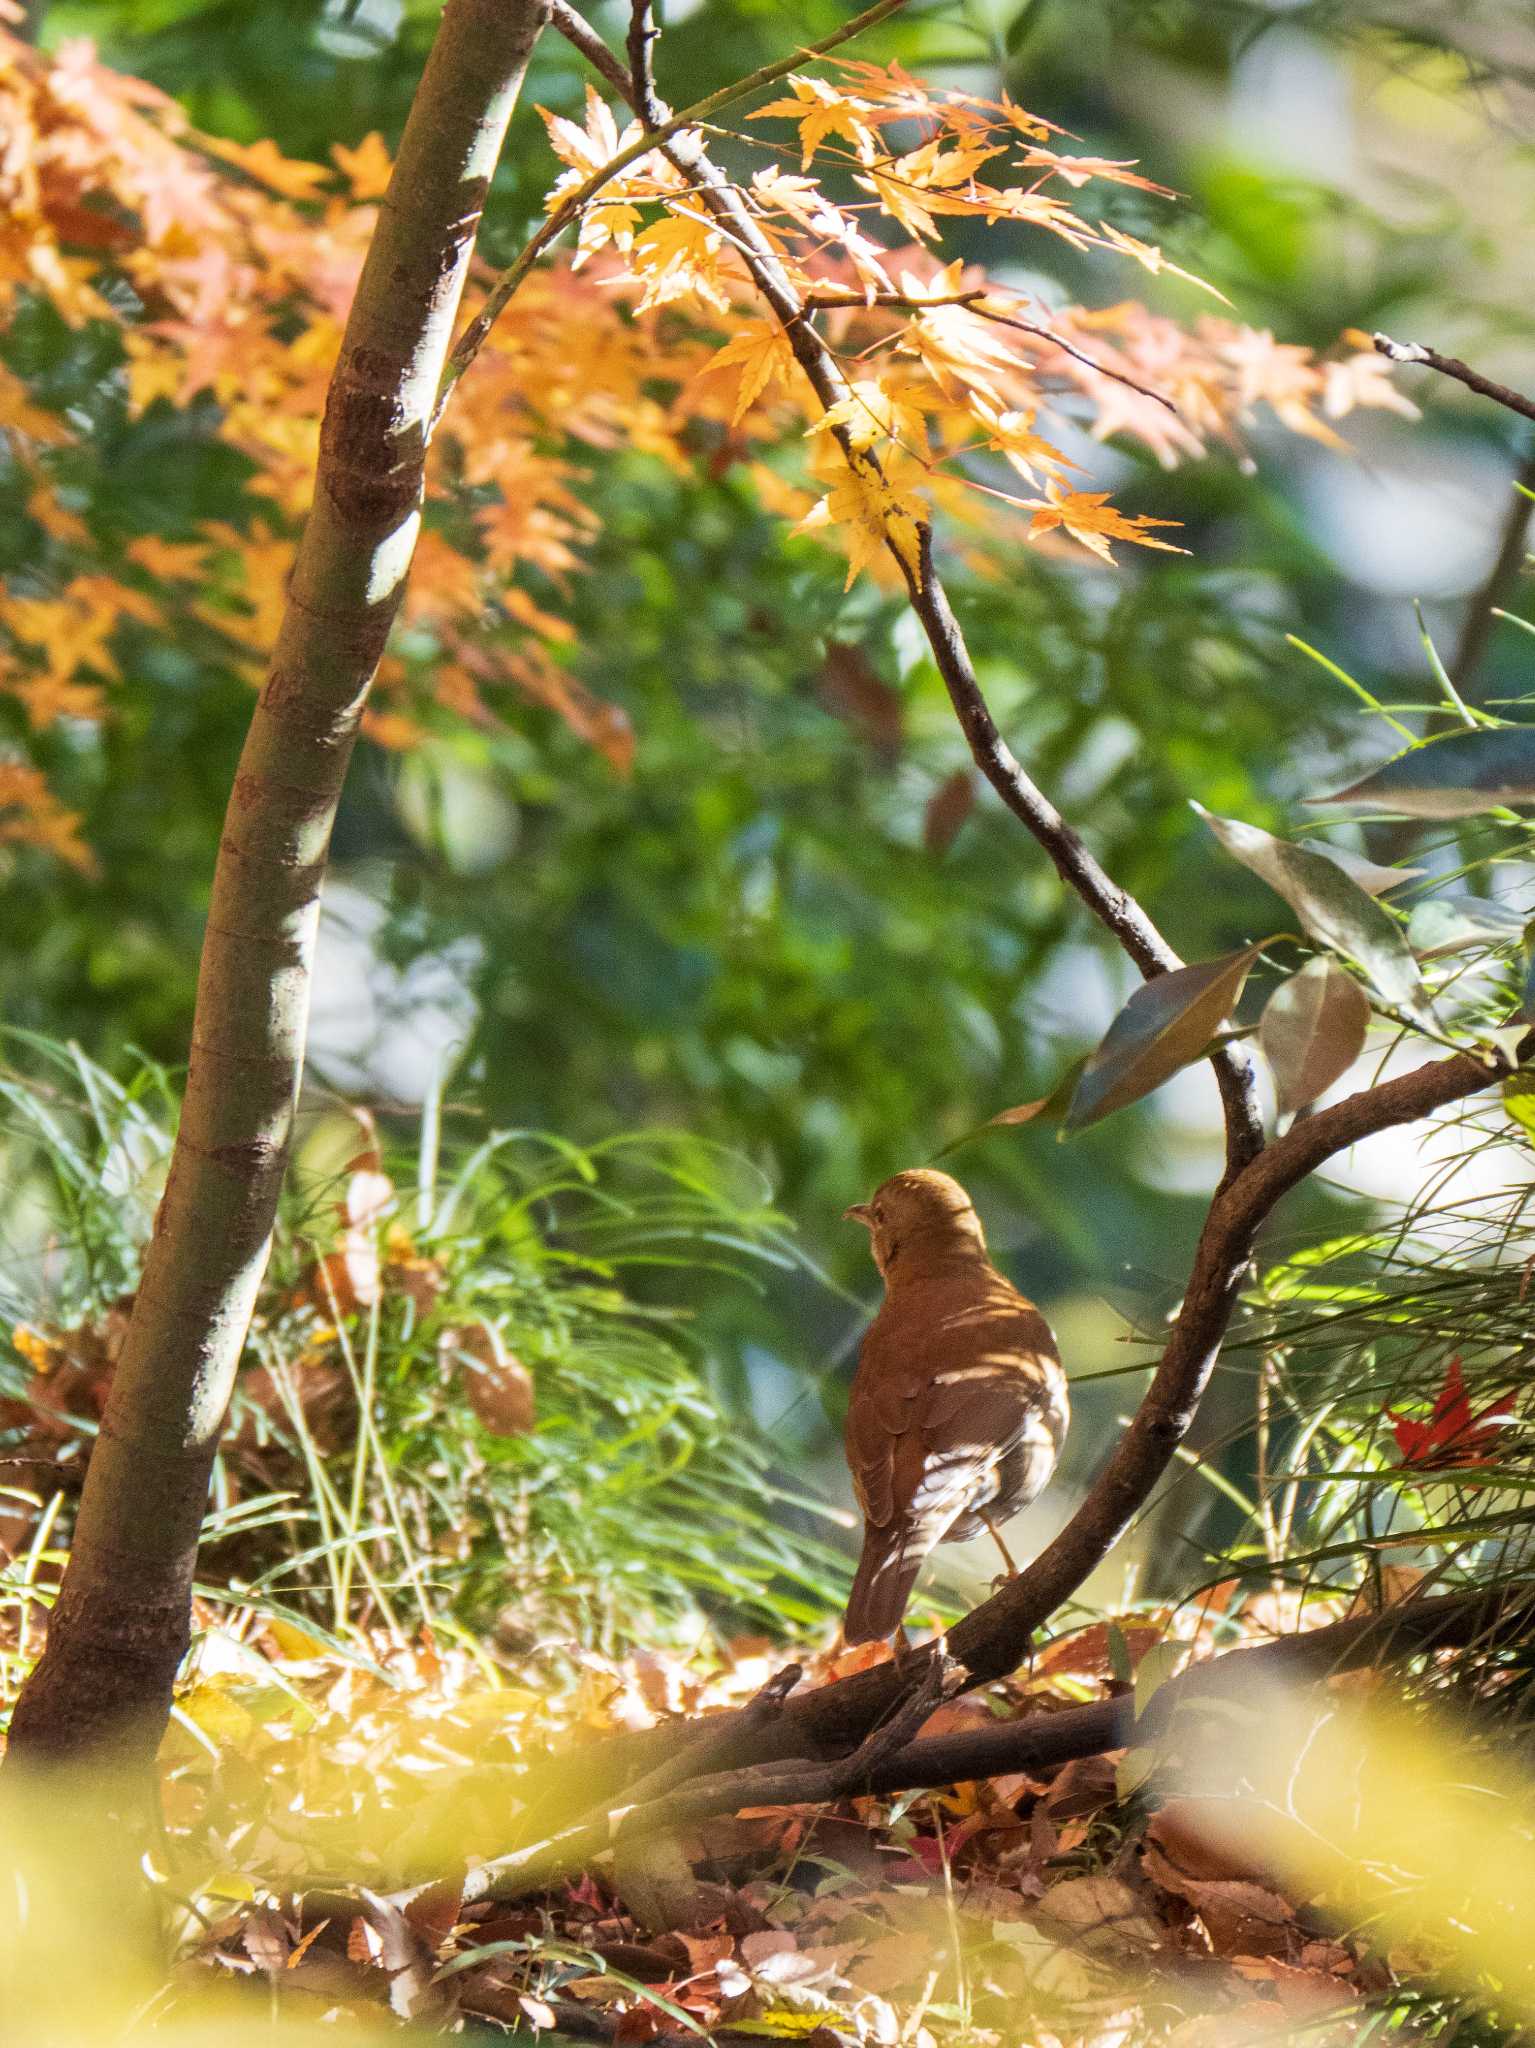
x=875, y=510
x=366, y=168
x=821, y=110
x=678, y=258
x=265, y=162
x=872, y=412
x=1089, y=518
x=588, y=148
x=760, y=355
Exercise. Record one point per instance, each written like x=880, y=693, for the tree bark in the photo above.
x=120, y=1626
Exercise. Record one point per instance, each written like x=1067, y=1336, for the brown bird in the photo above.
x=958, y=1409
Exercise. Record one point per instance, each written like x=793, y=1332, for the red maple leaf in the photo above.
x=1452, y=1435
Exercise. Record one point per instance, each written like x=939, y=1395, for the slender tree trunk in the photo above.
x=120, y=1627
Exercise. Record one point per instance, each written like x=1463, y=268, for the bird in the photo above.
x=958, y=1408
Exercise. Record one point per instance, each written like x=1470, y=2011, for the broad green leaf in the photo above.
x=1446, y=924
x=1527, y=1003
x=1333, y=909
x=1166, y=1024
x=1311, y=1031
x=1453, y=777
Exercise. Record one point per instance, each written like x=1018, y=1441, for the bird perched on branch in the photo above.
x=958, y=1408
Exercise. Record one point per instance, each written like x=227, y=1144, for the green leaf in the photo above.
x=1527, y=992
x=1166, y=1024
x=1155, y=1668
x=1135, y=1766
x=1446, y=924
x=1120, y=1666
x=1453, y=777
x=1334, y=909
x=1312, y=1030
x=1519, y=1098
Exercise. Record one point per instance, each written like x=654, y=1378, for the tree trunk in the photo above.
x=120, y=1626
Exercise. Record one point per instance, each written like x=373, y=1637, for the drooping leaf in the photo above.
x=1311, y=1031
x=1048, y=1107
x=1447, y=924
x=1453, y=777
x=1333, y=908
x=1164, y=1026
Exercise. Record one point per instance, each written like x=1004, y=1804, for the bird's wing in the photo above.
x=881, y=1417
x=997, y=1375
x=935, y=1401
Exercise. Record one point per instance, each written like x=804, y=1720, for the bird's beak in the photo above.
x=859, y=1213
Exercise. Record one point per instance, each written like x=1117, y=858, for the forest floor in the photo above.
x=1065, y=1909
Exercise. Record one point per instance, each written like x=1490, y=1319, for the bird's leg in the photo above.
x=1011, y=1571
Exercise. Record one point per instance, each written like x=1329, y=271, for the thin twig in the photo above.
x=1078, y=355
x=1452, y=366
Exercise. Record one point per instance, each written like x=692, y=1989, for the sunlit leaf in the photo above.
x=1334, y=909
x=1166, y=1024
x=1454, y=777
x=1312, y=1030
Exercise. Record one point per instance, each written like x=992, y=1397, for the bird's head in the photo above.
x=921, y=1213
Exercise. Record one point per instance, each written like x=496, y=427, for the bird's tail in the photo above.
x=887, y=1571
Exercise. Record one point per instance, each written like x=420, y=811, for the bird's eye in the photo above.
x=879, y=1214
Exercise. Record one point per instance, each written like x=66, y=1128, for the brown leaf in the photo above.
x=346, y=1279
x=498, y=1386
x=433, y=1912
x=773, y=1941
x=704, y=1950
x=265, y=1940
x=852, y=689
x=1086, y=1652
x=1241, y=1919
x=1084, y=1786
x=1303, y=1993
x=947, y=809
x=1106, y=1916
